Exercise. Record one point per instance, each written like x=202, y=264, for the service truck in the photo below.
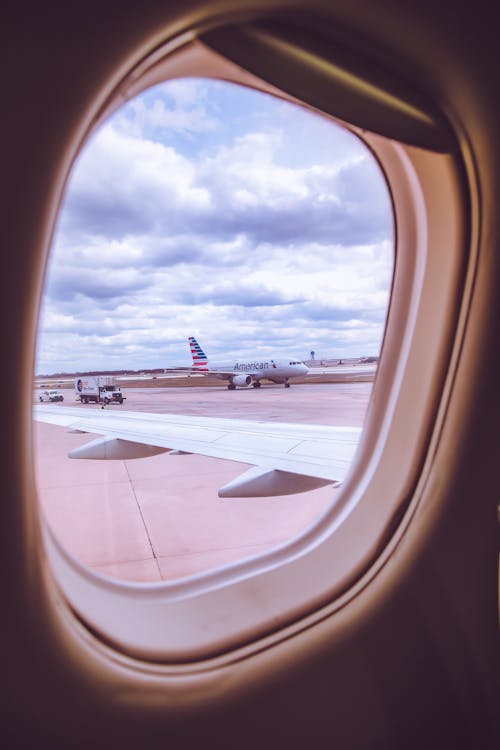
x=98, y=389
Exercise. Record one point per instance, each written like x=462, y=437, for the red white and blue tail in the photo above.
x=200, y=361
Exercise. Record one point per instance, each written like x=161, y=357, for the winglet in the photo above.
x=259, y=482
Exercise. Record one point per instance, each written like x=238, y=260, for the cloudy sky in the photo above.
x=202, y=208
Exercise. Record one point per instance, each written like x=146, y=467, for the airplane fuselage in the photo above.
x=245, y=373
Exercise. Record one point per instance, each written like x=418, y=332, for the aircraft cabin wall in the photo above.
x=411, y=660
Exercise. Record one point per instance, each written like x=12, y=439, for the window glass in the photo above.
x=205, y=209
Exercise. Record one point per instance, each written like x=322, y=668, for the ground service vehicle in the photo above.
x=399, y=648
x=51, y=396
x=98, y=389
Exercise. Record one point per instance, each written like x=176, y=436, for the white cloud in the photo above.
x=175, y=107
x=264, y=232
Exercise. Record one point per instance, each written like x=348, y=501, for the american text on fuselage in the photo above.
x=250, y=366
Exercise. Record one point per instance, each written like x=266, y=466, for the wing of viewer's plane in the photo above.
x=285, y=458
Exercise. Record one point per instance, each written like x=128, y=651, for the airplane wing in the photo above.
x=286, y=458
x=349, y=371
x=199, y=371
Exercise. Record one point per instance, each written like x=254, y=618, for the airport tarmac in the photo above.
x=160, y=518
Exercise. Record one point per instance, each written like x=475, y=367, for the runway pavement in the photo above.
x=160, y=518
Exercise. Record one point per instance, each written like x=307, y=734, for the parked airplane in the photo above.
x=245, y=373
x=378, y=628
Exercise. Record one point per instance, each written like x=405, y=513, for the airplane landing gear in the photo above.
x=256, y=384
x=287, y=385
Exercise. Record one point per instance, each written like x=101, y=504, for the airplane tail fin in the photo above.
x=200, y=361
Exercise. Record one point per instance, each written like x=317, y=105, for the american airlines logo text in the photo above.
x=249, y=366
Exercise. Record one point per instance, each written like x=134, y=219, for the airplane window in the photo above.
x=220, y=254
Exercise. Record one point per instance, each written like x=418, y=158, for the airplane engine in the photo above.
x=242, y=380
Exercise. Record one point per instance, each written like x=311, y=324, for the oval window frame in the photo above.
x=218, y=614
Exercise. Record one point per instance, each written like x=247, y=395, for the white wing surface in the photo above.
x=347, y=371
x=286, y=458
x=199, y=371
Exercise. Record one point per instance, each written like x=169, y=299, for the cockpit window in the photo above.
x=208, y=210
